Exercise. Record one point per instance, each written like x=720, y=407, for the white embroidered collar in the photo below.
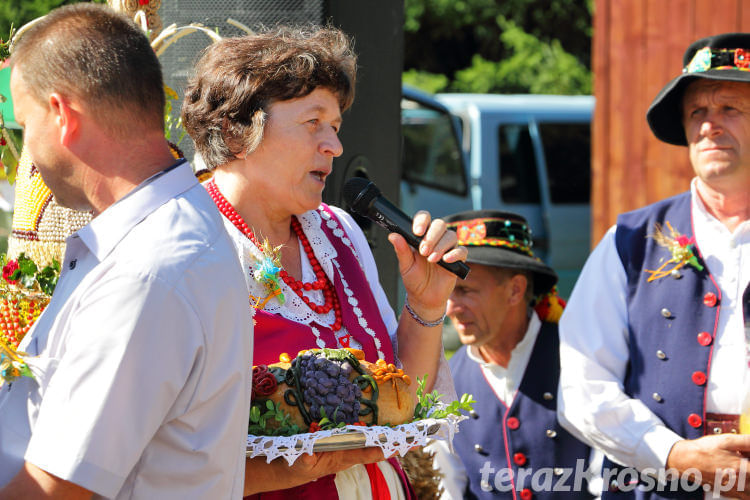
x=293, y=309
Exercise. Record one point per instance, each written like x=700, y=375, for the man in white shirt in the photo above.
x=513, y=446
x=141, y=361
x=653, y=347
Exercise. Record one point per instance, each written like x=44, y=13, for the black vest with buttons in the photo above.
x=526, y=435
x=672, y=327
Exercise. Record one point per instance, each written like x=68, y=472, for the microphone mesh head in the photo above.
x=359, y=193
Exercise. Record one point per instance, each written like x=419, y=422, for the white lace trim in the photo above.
x=311, y=223
x=354, y=302
x=399, y=439
x=294, y=309
x=340, y=233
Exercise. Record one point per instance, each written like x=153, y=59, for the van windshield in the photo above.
x=431, y=155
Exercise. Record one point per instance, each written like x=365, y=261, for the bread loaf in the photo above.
x=329, y=387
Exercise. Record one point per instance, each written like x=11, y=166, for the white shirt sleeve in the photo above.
x=136, y=345
x=594, y=358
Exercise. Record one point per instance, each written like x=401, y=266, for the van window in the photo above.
x=519, y=182
x=431, y=154
x=567, y=149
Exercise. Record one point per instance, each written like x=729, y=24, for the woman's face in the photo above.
x=289, y=168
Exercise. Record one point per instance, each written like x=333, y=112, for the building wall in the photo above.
x=637, y=48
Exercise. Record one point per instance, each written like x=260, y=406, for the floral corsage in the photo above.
x=680, y=246
x=267, y=274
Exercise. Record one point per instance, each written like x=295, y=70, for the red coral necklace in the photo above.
x=321, y=283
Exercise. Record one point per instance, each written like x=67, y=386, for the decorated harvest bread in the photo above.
x=323, y=388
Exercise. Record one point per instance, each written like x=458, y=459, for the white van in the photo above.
x=529, y=154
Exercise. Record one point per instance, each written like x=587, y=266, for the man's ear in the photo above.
x=67, y=118
x=518, y=285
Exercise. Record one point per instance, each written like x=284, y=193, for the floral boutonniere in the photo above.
x=680, y=246
x=267, y=274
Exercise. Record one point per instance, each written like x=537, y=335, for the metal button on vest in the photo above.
x=661, y=354
x=551, y=433
x=614, y=486
x=485, y=485
x=558, y=471
x=72, y=264
x=657, y=397
x=694, y=420
x=548, y=396
x=478, y=448
x=473, y=414
x=676, y=274
x=704, y=338
x=519, y=458
x=710, y=299
x=666, y=313
x=513, y=423
x=699, y=378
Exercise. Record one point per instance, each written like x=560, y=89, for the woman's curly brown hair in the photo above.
x=236, y=79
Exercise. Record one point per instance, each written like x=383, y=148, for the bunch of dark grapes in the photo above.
x=325, y=384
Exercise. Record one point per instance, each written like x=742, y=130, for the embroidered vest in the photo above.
x=671, y=327
x=498, y=439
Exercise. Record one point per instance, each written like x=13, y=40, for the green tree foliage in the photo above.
x=20, y=12
x=429, y=82
x=532, y=66
x=536, y=46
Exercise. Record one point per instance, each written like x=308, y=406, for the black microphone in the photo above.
x=365, y=198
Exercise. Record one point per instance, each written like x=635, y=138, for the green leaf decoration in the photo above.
x=254, y=414
x=26, y=265
x=47, y=279
x=264, y=411
x=426, y=403
x=15, y=275
x=30, y=277
x=10, y=163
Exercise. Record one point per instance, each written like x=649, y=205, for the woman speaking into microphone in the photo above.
x=265, y=112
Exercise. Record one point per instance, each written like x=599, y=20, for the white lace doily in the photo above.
x=399, y=439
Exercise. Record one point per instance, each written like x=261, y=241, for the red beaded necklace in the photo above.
x=321, y=283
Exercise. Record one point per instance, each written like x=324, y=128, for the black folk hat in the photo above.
x=720, y=57
x=501, y=239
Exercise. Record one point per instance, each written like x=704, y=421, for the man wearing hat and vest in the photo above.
x=653, y=345
x=510, y=364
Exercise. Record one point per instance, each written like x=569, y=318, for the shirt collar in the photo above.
x=701, y=215
x=105, y=231
x=521, y=349
x=702, y=218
